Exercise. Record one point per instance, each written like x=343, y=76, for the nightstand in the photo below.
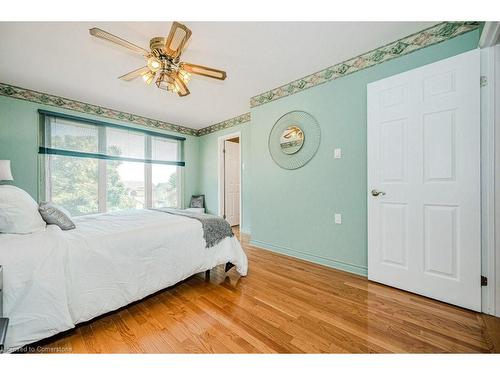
x=4, y=322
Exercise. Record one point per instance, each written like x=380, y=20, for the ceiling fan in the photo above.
x=163, y=63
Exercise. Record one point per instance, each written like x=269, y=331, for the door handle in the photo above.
x=376, y=193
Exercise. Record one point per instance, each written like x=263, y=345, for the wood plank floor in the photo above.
x=284, y=305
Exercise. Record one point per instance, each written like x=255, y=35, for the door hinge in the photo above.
x=483, y=81
x=224, y=216
x=223, y=150
x=484, y=281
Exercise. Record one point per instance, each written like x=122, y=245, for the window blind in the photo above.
x=67, y=135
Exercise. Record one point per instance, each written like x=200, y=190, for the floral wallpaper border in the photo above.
x=430, y=36
x=241, y=119
x=42, y=98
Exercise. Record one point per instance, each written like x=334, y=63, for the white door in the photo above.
x=424, y=158
x=232, y=182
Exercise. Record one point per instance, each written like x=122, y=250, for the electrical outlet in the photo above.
x=337, y=153
x=338, y=219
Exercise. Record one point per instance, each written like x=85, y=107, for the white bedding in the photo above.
x=55, y=279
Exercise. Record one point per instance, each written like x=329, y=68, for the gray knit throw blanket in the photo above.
x=215, y=228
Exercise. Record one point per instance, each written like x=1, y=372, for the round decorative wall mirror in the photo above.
x=291, y=140
x=294, y=139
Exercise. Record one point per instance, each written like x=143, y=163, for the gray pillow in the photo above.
x=197, y=201
x=56, y=215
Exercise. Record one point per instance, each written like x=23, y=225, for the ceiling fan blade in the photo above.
x=203, y=71
x=183, y=90
x=134, y=73
x=98, y=33
x=177, y=39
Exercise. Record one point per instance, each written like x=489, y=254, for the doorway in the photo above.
x=230, y=178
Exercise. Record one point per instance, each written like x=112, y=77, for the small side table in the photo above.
x=4, y=322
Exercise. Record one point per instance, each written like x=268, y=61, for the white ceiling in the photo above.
x=63, y=59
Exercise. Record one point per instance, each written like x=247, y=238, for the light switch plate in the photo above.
x=337, y=153
x=338, y=219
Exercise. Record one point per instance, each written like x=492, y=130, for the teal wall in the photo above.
x=209, y=171
x=19, y=121
x=292, y=211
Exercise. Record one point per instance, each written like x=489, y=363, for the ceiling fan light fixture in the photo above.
x=154, y=64
x=185, y=76
x=164, y=81
x=148, y=77
x=180, y=86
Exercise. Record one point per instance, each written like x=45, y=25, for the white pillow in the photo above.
x=18, y=211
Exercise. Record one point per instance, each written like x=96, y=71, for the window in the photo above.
x=92, y=167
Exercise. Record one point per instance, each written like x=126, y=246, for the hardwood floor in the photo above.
x=284, y=305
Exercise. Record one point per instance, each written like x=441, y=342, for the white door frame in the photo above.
x=490, y=254
x=220, y=171
x=495, y=81
x=490, y=34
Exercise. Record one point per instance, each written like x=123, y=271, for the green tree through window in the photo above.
x=75, y=181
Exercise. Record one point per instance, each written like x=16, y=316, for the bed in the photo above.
x=55, y=279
